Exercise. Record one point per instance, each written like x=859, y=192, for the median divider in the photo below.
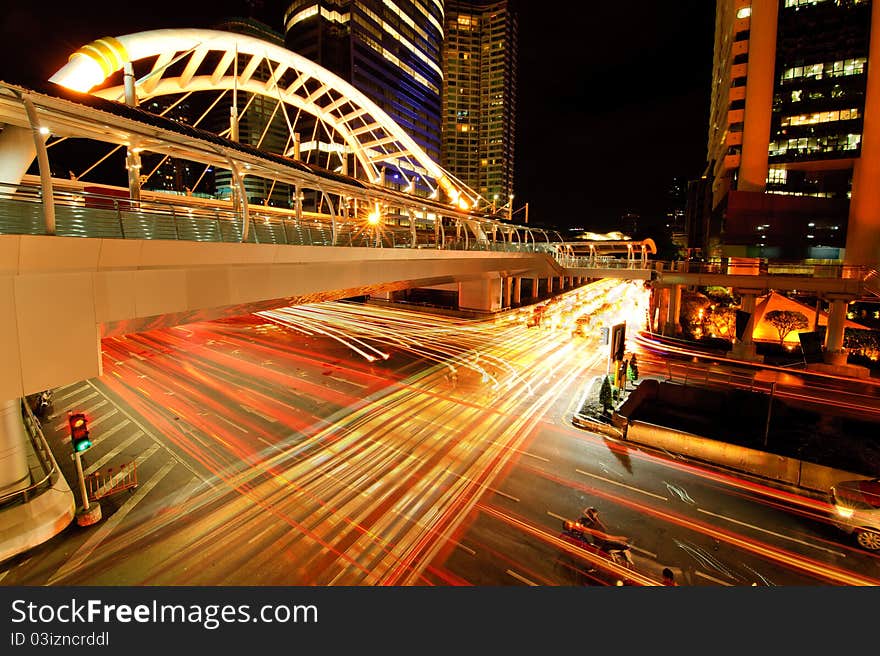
x=783, y=469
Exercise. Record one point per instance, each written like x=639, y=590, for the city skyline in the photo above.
x=596, y=85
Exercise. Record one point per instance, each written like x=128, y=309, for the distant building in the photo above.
x=390, y=51
x=261, y=126
x=794, y=134
x=479, y=96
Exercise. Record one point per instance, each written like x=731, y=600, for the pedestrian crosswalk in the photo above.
x=119, y=440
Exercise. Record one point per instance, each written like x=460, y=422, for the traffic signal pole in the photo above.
x=81, y=479
x=88, y=514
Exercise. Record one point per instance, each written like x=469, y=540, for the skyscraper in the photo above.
x=479, y=95
x=387, y=49
x=794, y=131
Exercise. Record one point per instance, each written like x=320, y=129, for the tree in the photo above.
x=605, y=394
x=786, y=321
x=633, y=369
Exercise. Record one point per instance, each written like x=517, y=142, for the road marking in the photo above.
x=628, y=487
x=97, y=421
x=713, y=579
x=778, y=535
x=260, y=534
x=73, y=393
x=231, y=423
x=91, y=410
x=82, y=554
x=555, y=516
x=341, y=572
x=521, y=578
x=644, y=552
x=253, y=411
x=348, y=382
x=185, y=492
x=468, y=549
x=504, y=494
x=106, y=458
x=269, y=444
x=112, y=431
x=525, y=453
x=158, y=441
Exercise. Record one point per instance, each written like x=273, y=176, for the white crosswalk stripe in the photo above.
x=100, y=462
x=101, y=533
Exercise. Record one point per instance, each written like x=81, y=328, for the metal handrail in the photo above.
x=47, y=461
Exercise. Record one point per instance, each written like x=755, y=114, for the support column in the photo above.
x=535, y=284
x=560, y=281
x=673, y=311
x=517, y=291
x=662, y=308
x=14, y=471
x=480, y=295
x=834, y=351
x=744, y=349
x=505, y=291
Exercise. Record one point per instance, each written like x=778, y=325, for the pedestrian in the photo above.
x=668, y=577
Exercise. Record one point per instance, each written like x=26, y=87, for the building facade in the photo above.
x=479, y=96
x=794, y=133
x=388, y=49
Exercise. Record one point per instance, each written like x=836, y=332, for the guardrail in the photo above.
x=49, y=466
x=80, y=212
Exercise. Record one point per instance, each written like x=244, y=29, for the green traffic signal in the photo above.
x=79, y=431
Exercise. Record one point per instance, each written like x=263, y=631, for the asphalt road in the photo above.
x=351, y=445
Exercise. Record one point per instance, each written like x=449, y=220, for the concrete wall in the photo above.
x=796, y=472
x=818, y=478
x=65, y=293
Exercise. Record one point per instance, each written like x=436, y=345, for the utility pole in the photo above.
x=769, y=410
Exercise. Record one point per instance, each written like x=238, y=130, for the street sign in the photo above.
x=618, y=341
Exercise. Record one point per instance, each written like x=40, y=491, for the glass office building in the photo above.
x=793, y=132
x=479, y=96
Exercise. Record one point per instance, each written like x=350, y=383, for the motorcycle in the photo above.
x=43, y=404
x=616, y=547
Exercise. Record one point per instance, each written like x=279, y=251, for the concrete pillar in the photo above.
x=517, y=290
x=673, y=311
x=744, y=349
x=560, y=281
x=834, y=351
x=863, y=231
x=480, y=295
x=505, y=291
x=662, y=309
x=14, y=471
x=535, y=285
x=748, y=305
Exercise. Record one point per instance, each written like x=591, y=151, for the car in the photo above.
x=857, y=510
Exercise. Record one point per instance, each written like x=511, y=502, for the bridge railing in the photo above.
x=101, y=213
x=48, y=471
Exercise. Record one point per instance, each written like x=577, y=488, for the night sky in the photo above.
x=614, y=96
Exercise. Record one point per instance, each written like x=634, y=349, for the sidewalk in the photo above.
x=32, y=519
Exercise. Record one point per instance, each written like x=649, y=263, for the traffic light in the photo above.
x=79, y=431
